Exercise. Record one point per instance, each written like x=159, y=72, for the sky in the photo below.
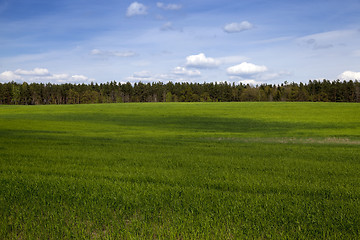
x=247, y=41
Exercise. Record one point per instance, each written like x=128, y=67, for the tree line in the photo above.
x=113, y=92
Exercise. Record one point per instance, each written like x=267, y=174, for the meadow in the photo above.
x=180, y=171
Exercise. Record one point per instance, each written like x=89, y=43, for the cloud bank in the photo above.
x=9, y=76
x=42, y=75
x=350, y=75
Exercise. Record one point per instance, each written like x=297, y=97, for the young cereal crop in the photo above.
x=180, y=171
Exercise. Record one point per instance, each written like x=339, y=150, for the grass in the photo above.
x=180, y=171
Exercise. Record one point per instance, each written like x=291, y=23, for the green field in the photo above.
x=180, y=171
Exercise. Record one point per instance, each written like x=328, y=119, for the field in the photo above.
x=180, y=171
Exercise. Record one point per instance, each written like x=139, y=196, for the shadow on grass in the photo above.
x=212, y=124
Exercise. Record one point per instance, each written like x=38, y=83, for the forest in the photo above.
x=14, y=93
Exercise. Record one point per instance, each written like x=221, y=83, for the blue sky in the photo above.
x=249, y=41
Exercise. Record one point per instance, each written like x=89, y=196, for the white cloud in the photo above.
x=41, y=75
x=168, y=6
x=57, y=78
x=258, y=77
x=79, y=78
x=237, y=27
x=9, y=76
x=201, y=61
x=60, y=78
x=186, y=72
x=97, y=52
x=246, y=69
x=350, y=75
x=34, y=72
x=136, y=9
x=21, y=74
x=250, y=82
x=245, y=81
